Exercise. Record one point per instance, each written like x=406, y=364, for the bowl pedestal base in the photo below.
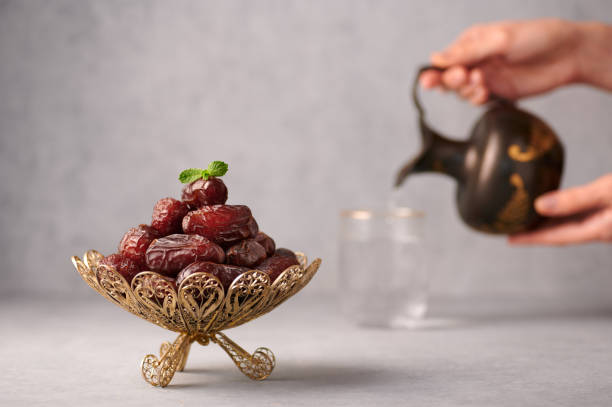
x=198, y=309
x=173, y=357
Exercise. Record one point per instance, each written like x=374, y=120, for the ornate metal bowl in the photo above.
x=199, y=309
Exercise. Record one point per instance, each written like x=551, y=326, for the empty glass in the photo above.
x=383, y=279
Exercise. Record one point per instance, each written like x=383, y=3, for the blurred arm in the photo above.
x=514, y=59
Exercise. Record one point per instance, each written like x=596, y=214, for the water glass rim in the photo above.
x=394, y=213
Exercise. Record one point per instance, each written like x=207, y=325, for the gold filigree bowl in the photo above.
x=199, y=309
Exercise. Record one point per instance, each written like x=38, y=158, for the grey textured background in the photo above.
x=103, y=103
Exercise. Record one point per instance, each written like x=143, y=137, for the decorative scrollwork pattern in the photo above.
x=158, y=297
x=200, y=305
x=165, y=346
x=247, y=295
x=285, y=285
x=159, y=372
x=92, y=258
x=88, y=274
x=119, y=291
x=288, y=284
x=257, y=366
x=200, y=296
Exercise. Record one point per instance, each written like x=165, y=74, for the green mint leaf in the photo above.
x=217, y=168
x=190, y=175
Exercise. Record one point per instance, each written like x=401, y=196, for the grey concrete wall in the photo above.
x=103, y=103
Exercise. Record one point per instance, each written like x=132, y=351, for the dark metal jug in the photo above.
x=510, y=158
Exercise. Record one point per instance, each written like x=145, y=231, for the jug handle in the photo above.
x=415, y=90
x=434, y=145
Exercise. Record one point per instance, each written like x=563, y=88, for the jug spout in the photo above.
x=438, y=154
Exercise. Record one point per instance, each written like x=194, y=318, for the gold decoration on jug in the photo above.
x=541, y=139
x=516, y=209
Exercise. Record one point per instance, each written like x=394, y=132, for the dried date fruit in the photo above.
x=247, y=253
x=125, y=266
x=223, y=224
x=168, y=255
x=167, y=216
x=285, y=253
x=267, y=242
x=252, y=227
x=204, y=187
x=205, y=192
x=135, y=242
x=275, y=265
x=224, y=272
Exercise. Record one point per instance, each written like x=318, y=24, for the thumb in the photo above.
x=576, y=200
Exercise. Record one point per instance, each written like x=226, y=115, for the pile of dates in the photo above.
x=199, y=233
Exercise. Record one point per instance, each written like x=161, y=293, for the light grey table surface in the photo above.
x=88, y=352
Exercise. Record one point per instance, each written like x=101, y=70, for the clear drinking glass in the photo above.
x=383, y=278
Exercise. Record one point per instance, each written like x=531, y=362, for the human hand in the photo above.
x=578, y=215
x=517, y=59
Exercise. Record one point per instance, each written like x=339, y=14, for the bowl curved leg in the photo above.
x=173, y=356
x=257, y=366
x=184, y=356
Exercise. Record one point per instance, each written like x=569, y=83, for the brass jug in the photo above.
x=510, y=158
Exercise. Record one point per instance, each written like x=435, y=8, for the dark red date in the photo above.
x=267, y=242
x=224, y=272
x=275, y=265
x=223, y=224
x=135, y=242
x=210, y=192
x=168, y=255
x=125, y=266
x=247, y=253
x=167, y=216
x=285, y=253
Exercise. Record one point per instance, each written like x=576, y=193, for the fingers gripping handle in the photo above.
x=415, y=88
